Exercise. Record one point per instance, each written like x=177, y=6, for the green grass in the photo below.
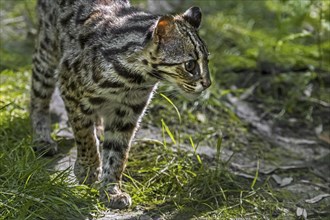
x=180, y=186
x=29, y=188
x=262, y=46
x=164, y=180
x=280, y=49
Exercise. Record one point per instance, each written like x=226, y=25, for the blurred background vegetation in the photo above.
x=272, y=54
x=279, y=47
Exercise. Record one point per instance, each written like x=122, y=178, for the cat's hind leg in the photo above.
x=43, y=85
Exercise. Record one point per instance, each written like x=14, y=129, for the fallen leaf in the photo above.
x=286, y=181
x=317, y=198
x=282, y=182
x=301, y=212
x=283, y=168
x=277, y=179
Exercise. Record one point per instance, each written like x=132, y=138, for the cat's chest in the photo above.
x=132, y=101
x=125, y=96
x=133, y=95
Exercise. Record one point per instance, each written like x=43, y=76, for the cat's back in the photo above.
x=69, y=16
x=84, y=23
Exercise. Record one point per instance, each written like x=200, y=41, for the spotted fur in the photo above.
x=107, y=58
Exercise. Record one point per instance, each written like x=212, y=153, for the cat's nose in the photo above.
x=206, y=83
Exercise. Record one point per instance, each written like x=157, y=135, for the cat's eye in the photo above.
x=190, y=65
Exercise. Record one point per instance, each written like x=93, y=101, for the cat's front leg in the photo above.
x=87, y=168
x=118, y=133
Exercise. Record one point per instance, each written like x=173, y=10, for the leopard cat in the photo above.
x=107, y=58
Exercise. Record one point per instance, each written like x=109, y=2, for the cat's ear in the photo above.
x=164, y=26
x=193, y=16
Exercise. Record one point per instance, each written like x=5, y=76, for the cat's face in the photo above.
x=179, y=55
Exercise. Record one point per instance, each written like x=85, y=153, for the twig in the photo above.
x=316, y=101
x=8, y=21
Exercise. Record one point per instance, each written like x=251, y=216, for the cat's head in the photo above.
x=178, y=54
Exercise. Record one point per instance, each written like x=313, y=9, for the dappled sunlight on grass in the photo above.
x=271, y=54
x=28, y=189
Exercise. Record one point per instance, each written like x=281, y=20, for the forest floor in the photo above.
x=256, y=145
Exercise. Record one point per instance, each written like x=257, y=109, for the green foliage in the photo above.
x=17, y=33
x=281, y=47
x=272, y=33
x=279, y=50
x=176, y=184
x=29, y=189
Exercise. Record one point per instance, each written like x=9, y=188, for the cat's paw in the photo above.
x=120, y=200
x=86, y=174
x=45, y=147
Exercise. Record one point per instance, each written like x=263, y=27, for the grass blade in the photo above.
x=168, y=131
x=255, y=176
x=170, y=101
